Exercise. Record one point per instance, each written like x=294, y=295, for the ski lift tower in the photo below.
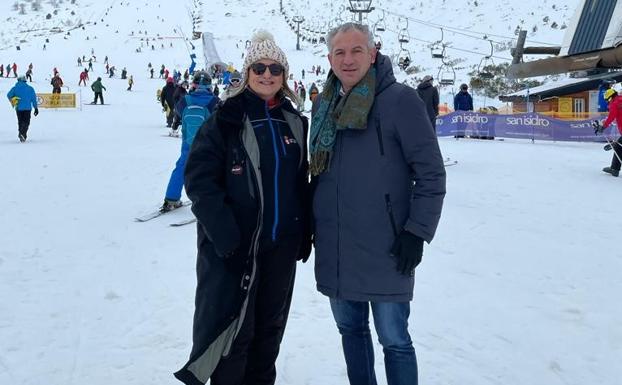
x=360, y=7
x=298, y=19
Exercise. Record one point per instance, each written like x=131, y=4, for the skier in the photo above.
x=195, y=108
x=234, y=84
x=79, y=61
x=162, y=72
x=14, y=70
x=1, y=70
x=23, y=99
x=124, y=73
x=151, y=71
x=90, y=64
x=29, y=75
x=56, y=83
x=112, y=69
x=180, y=92
x=130, y=83
x=97, y=88
x=168, y=103
x=84, y=76
x=615, y=104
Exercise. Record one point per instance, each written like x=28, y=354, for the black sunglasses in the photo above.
x=275, y=68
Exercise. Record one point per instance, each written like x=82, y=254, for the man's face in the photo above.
x=350, y=57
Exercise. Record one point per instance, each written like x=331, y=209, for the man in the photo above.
x=371, y=138
x=463, y=101
x=615, y=104
x=56, y=83
x=429, y=94
x=23, y=99
x=98, y=88
x=167, y=98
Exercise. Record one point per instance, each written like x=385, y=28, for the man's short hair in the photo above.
x=348, y=27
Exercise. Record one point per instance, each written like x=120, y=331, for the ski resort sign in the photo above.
x=522, y=126
x=56, y=100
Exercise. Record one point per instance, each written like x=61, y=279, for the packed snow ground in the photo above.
x=520, y=286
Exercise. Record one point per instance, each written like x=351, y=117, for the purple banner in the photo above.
x=522, y=126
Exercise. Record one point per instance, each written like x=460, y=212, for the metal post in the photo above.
x=298, y=19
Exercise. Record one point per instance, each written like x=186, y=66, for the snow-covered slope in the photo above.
x=520, y=286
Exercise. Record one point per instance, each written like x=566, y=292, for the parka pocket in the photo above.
x=387, y=199
x=379, y=133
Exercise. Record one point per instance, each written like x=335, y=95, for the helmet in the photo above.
x=464, y=86
x=609, y=94
x=169, y=80
x=21, y=78
x=201, y=78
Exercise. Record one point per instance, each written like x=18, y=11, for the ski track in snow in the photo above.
x=520, y=286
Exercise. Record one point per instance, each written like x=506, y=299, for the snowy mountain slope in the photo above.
x=519, y=287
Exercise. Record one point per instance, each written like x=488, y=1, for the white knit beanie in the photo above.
x=264, y=47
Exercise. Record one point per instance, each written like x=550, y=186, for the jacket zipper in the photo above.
x=338, y=219
x=387, y=199
x=277, y=165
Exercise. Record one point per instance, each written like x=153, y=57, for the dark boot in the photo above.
x=611, y=171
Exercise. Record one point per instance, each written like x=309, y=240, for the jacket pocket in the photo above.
x=380, y=141
x=387, y=199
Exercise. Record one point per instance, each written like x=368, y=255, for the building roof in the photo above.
x=562, y=87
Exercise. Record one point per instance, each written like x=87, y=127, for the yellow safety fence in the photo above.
x=56, y=100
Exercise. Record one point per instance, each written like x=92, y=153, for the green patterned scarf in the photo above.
x=335, y=113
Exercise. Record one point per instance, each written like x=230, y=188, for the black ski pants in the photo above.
x=256, y=347
x=23, y=122
x=617, y=149
x=100, y=96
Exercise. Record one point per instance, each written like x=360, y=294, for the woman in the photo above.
x=246, y=176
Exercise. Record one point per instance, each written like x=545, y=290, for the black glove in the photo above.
x=598, y=128
x=36, y=111
x=407, y=250
x=305, y=250
x=607, y=147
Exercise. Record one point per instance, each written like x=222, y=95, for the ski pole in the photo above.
x=612, y=146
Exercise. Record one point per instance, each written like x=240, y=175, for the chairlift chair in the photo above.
x=446, y=75
x=403, y=36
x=438, y=52
x=404, y=59
x=438, y=48
x=483, y=69
x=381, y=24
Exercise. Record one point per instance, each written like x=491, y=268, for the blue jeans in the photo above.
x=391, y=322
x=176, y=183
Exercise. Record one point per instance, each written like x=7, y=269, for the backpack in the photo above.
x=192, y=118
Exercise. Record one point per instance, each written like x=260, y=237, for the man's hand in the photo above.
x=408, y=251
x=36, y=111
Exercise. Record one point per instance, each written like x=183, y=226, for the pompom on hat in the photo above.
x=263, y=46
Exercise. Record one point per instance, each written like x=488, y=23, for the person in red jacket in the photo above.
x=615, y=104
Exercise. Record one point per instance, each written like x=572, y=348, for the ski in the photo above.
x=450, y=163
x=157, y=213
x=183, y=222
